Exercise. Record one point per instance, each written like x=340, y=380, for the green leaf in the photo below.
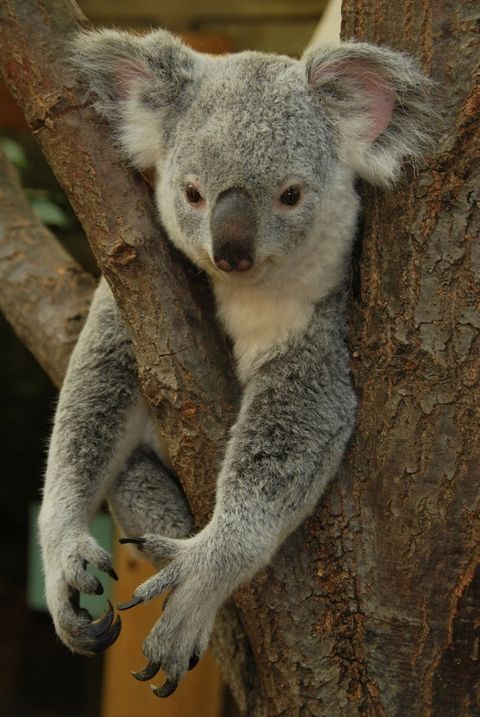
x=48, y=212
x=14, y=152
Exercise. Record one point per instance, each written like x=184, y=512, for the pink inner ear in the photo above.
x=361, y=77
x=381, y=101
x=128, y=73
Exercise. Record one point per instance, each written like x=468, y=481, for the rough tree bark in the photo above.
x=44, y=294
x=415, y=464
x=372, y=607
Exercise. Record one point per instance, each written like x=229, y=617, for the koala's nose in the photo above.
x=233, y=225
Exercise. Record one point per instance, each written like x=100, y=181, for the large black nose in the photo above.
x=233, y=225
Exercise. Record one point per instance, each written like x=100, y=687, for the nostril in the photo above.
x=233, y=265
x=222, y=264
x=244, y=265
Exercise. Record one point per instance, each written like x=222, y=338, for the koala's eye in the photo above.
x=193, y=195
x=291, y=196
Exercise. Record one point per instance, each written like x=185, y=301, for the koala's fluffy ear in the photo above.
x=380, y=102
x=140, y=84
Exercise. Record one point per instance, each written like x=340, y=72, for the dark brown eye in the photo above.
x=192, y=194
x=291, y=196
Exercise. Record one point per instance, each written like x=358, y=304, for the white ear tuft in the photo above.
x=379, y=101
x=139, y=83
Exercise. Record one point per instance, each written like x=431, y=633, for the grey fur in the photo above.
x=258, y=124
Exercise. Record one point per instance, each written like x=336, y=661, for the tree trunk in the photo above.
x=415, y=462
x=372, y=607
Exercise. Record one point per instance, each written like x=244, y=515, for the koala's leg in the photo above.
x=145, y=498
x=100, y=417
x=296, y=416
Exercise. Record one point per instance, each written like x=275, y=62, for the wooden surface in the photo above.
x=200, y=693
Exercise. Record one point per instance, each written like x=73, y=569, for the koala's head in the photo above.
x=256, y=154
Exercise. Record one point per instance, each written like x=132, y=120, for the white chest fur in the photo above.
x=261, y=321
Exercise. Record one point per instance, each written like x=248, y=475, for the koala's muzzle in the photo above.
x=233, y=225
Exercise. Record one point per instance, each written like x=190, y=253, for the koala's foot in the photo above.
x=66, y=578
x=181, y=635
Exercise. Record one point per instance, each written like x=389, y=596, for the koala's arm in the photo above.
x=98, y=418
x=296, y=417
x=98, y=397
x=103, y=445
x=295, y=420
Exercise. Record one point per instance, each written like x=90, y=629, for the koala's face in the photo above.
x=247, y=168
x=255, y=153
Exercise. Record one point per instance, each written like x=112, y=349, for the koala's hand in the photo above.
x=65, y=578
x=199, y=586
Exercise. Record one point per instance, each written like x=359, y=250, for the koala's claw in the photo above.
x=167, y=689
x=130, y=603
x=193, y=662
x=103, y=624
x=148, y=672
x=106, y=639
x=135, y=541
x=98, y=589
x=95, y=635
x=111, y=572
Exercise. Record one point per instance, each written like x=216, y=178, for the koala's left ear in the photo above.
x=380, y=103
x=140, y=83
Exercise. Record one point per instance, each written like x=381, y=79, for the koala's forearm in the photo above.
x=94, y=422
x=295, y=421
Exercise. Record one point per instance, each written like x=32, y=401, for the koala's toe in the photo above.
x=76, y=575
x=92, y=553
x=158, y=548
x=164, y=580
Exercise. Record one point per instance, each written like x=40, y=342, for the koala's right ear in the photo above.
x=380, y=102
x=140, y=84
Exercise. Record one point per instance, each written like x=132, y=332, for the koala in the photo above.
x=256, y=158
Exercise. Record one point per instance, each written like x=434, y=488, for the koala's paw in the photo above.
x=66, y=577
x=181, y=635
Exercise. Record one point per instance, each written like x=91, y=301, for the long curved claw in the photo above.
x=98, y=627
x=167, y=689
x=99, y=634
x=148, y=672
x=108, y=638
x=130, y=603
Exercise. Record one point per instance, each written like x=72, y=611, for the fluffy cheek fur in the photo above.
x=187, y=228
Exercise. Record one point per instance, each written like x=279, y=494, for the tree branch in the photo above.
x=44, y=294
